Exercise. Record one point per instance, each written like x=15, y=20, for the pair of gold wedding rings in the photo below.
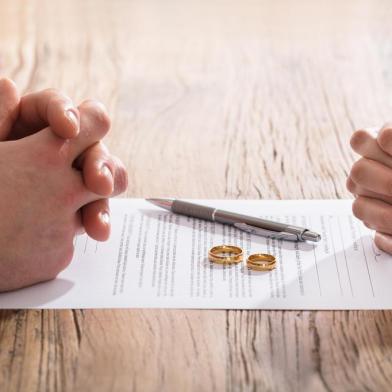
x=230, y=254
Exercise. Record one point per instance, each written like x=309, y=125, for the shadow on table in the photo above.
x=41, y=294
x=359, y=338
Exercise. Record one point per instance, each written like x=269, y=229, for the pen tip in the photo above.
x=311, y=236
x=163, y=203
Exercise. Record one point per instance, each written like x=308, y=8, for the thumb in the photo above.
x=9, y=106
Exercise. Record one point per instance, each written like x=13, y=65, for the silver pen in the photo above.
x=246, y=223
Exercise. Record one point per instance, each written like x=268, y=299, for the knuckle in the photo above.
x=7, y=85
x=50, y=92
x=358, y=139
x=383, y=241
x=385, y=137
x=358, y=207
x=358, y=170
x=378, y=241
x=96, y=115
x=385, y=218
x=57, y=98
x=350, y=185
x=103, y=119
x=368, y=225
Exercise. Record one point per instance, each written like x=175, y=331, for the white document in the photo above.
x=158, y=259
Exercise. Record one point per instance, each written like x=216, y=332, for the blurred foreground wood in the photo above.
x=209, y=99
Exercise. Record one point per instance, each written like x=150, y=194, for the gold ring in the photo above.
x=217, y=254
x=261, y=262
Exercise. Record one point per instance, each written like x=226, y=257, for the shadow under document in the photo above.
x=38, y=295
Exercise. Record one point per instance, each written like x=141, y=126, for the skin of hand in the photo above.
x=41, y=195
x=103, y=174
x=370, y=180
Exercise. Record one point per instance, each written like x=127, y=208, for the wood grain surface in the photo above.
x=209, y=99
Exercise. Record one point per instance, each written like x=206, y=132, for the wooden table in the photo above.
x=209, y=99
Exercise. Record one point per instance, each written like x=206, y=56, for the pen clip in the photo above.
x=266, y=233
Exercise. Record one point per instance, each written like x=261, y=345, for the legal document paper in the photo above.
x=158, y=259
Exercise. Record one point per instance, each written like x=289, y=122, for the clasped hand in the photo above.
x=370, y=181
x=56, y=176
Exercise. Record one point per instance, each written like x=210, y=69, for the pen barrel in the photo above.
x=233, y=218
x=193, y=210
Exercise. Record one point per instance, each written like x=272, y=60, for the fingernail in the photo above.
x=105, y=171
x=104, y=217
x=70, y=114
